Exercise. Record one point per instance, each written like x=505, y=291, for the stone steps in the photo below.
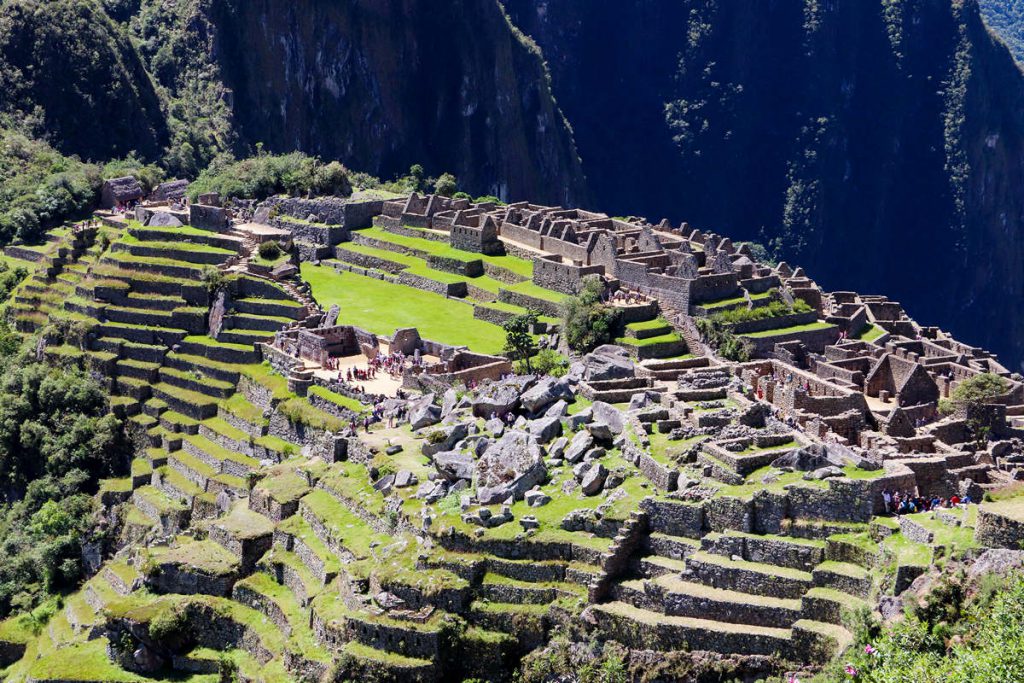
x=782, y=551
x=643, y=629
x=688, y=599
x=243, y=337
x=747, y=577
x=170, y=514
x=222, y=459
x=500, y=589
x=224, y=372
x=139, y=369
x=673, y=547
x=191, y=404
x=209, y=386
x=148, y=353
x=251, y=321
x=656, y=565
x=143, y=334
x=845, y=577
x=219, y=351
x=827, y=605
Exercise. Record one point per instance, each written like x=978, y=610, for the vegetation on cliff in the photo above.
x=57, y=440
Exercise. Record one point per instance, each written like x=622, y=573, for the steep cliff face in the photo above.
x=875, y=142
x=67, y=70
x=385, y=84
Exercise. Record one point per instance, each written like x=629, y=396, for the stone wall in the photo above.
x=207, y=217
x=1000, y=525
x=562, y=277
x=674, y=518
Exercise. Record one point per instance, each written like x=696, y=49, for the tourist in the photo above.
x=887, y=499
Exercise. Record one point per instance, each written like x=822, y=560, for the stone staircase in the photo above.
x=735, y=593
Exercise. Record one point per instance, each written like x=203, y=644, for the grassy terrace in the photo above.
x=809, y=327
x=732, y=301
x=536, y=291
x=870, y=333
x=382, y=307
x=519, y=266
x=193, y=247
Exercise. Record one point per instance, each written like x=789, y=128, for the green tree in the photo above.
x=519, y=339
x=586, y=322
x=446, y=185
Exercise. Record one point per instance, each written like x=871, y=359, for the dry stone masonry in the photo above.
x=657, y=494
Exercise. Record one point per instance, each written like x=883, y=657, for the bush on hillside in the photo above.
x=586, y=322
x=39, y=187
x=270, y=251
x=57, y=440
x=976, y=390
x=265, y=175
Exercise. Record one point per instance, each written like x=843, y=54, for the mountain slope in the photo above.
x=875, y=142
x=70, y=71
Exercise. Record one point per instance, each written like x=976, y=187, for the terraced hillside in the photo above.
x=283, y=521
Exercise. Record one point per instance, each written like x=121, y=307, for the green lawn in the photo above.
x=870, y=333
x=519, y=266
x=810, y=327
x=382, y=307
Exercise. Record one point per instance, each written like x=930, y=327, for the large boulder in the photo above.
x=511, y=466
x=545, y=429
x=544, y=393
x=445, y=438
x=817, y=456
x=453, y=465
x=162, y=219
x=578, y=447
x=607, y=423
x=593, y=479
x=607, y=362
x=424, y=414
x=497, y=399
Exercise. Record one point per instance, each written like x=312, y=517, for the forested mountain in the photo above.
x=876, y=142
x=1006, y=18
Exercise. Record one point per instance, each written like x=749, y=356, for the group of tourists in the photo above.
x=394, y=364
x=905, y=503
x=85, y=225
x=621, y=297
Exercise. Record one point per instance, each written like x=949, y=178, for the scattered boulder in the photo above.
x=448, y=402
x=827, y=472
x=453, y=465
x=607, y=362
x=529, y=522
x=578, y=447
x=444, y=438
x=495, y=426
x=557, y=409
x=557, y=447
x=497, y=399
x=405, y=479
x=423, y=412
x=581, y=418
x=510, y=467
x=969, y=487
x=162, y=219
x=385, y=484
x=536, y=498
x=608, y=414
x=545, y=429
x=544, y=393
x=593, y=480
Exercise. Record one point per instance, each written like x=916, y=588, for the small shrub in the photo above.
x=586, y=322
x=550, y=362
x=270, y=251
x=212, y=278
